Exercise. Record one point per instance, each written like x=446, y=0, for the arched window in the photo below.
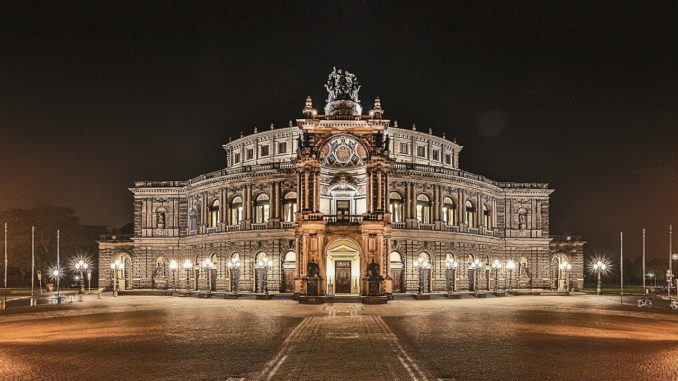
x=290, y=207
x=214, y=213
x=160, y=217
x=262, y=208
x=471, y=215
x=396, y=207
x=193, y=220
x=423, y=209
x=236, y=210
x=487, y=217
x=522, y=218
x=449, y=212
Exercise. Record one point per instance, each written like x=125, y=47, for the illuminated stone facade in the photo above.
x=343, y=190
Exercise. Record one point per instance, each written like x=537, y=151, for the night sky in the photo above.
x=584, y=97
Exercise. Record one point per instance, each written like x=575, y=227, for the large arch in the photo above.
x=343, y=267
x=558, y=273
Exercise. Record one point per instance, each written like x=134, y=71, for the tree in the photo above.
x=75, y=238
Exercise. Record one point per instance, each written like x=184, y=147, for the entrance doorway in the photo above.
x=343, y=267
x=342, y=270
x=289, y=266
x=396, y=271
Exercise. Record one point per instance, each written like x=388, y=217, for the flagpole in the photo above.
x=621, y=267
x=644, y=289
x=32, y=265
x=4, y=305
x=58, y=268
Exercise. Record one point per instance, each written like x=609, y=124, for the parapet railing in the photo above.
x=467, y=175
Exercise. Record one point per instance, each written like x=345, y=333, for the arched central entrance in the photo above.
x=343, y=267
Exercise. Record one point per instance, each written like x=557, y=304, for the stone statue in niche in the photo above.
x=373, y=279
x=312, y=283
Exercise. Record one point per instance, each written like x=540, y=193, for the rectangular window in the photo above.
x=421, y=151
x=282, y=147
x=250, y=154
x=436, y=155
x=236, y=158
x=448, y=159
x=403, y=148
x=264, y=151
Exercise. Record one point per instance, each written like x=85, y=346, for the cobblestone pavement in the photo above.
x=514, y=338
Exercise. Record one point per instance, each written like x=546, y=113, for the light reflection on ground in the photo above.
x=582, y=337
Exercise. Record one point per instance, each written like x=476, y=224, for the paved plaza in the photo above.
x=513, y=338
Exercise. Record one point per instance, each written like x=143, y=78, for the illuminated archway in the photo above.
x=343, y=267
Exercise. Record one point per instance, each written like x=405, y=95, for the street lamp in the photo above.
x=421, y=264
x=208, y=265
x=117, y=266
x=496, y=265
x=188, y=266
x=174, y=266
x=451, y=266
x=234, y=268
x=56, y=274
x=475, y=267
x=510, y=266
x=262, y=267
x=80, y=266
x=89, y=279
x=599, y=267
x=567, y=267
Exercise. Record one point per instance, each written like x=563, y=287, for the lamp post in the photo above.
x=208, y=265
x=174, y=266
x=89, y=279
x=422, y=265
x=263, y=266
x=599, y=267
x=80, y=266
x=510, y=266
x=117, y=266
x=674, y=257
x=475, y=267
x=188, y=266
x=567, y=267
x=451, y=266
x=496, y=265
x=56, y=274
x=234, y=268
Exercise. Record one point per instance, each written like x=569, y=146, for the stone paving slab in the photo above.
x=172, y=338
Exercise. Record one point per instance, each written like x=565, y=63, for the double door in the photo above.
x=342, y=276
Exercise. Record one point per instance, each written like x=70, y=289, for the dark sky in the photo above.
x=94, y=95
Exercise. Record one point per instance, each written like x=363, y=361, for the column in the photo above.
x=316, y=191
x=379, y=188
x=413, y=204
x=306, y=200
x=368, y=192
